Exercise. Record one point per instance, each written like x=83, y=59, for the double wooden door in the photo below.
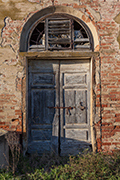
x=59, y=106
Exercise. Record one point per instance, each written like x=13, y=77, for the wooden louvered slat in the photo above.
x=59, y=48
x=58, y=39
x=57, y=26
x=57, y=29
x=61, y=41
x=58, y=22
x=59, y=32
x=82, y=47
x=79, y=40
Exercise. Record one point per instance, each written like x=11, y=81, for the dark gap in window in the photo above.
x=80, y=37
x=38, y=37
x=78, y=27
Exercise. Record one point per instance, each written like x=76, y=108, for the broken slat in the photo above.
x=82, y=47
x=59, y=29
x=37, y=47
x=58, y=26
x=59, y=22
x=59, y=48
x=79, y=40
x=60, y=42
x=59, y=32
x=58, y=39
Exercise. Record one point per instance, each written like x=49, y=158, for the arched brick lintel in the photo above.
x=57, y=9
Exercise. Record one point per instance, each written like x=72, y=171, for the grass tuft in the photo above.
x=81, y=167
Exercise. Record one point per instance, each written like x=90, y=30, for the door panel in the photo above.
x=43, y=93
x=74, y=88
x=81, y=107
x=41, y=100
x=59, y=106
x=43, y=78
x=69, y=101
x=76, y=134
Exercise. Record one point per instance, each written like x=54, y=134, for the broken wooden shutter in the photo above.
x=58, y=33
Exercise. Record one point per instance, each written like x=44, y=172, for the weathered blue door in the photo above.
x=43, y=93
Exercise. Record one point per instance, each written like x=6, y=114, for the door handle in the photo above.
x=81, y=106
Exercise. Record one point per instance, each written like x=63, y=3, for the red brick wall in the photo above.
x=11, y=118
x=106, y=105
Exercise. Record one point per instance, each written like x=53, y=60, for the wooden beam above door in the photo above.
x=59, y=55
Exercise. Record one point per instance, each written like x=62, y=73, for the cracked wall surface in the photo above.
x=106, y=97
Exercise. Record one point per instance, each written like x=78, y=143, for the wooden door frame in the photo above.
x=25, y=56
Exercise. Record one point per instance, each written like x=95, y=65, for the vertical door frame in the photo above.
x=93, y=139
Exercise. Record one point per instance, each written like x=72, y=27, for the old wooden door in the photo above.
x=75, y=94
x=59, y=105
x=43, y=93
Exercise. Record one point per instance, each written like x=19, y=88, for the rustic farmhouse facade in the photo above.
x=60, y=74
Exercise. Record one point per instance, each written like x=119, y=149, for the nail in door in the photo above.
x=58, y=106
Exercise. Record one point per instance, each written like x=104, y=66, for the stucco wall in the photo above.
x=104, y=16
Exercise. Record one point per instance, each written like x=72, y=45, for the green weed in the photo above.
x=81, y=167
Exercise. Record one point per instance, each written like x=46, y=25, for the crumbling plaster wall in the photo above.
x=106, y=87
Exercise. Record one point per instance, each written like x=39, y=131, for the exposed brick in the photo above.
x=106, y=143
x=106, y=70
x=2, y=123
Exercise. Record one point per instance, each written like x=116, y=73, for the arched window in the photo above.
x=60, y=32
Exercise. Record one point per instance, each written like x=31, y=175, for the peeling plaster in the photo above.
x=117, y=20
x=15, y=10
x=95, y=14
